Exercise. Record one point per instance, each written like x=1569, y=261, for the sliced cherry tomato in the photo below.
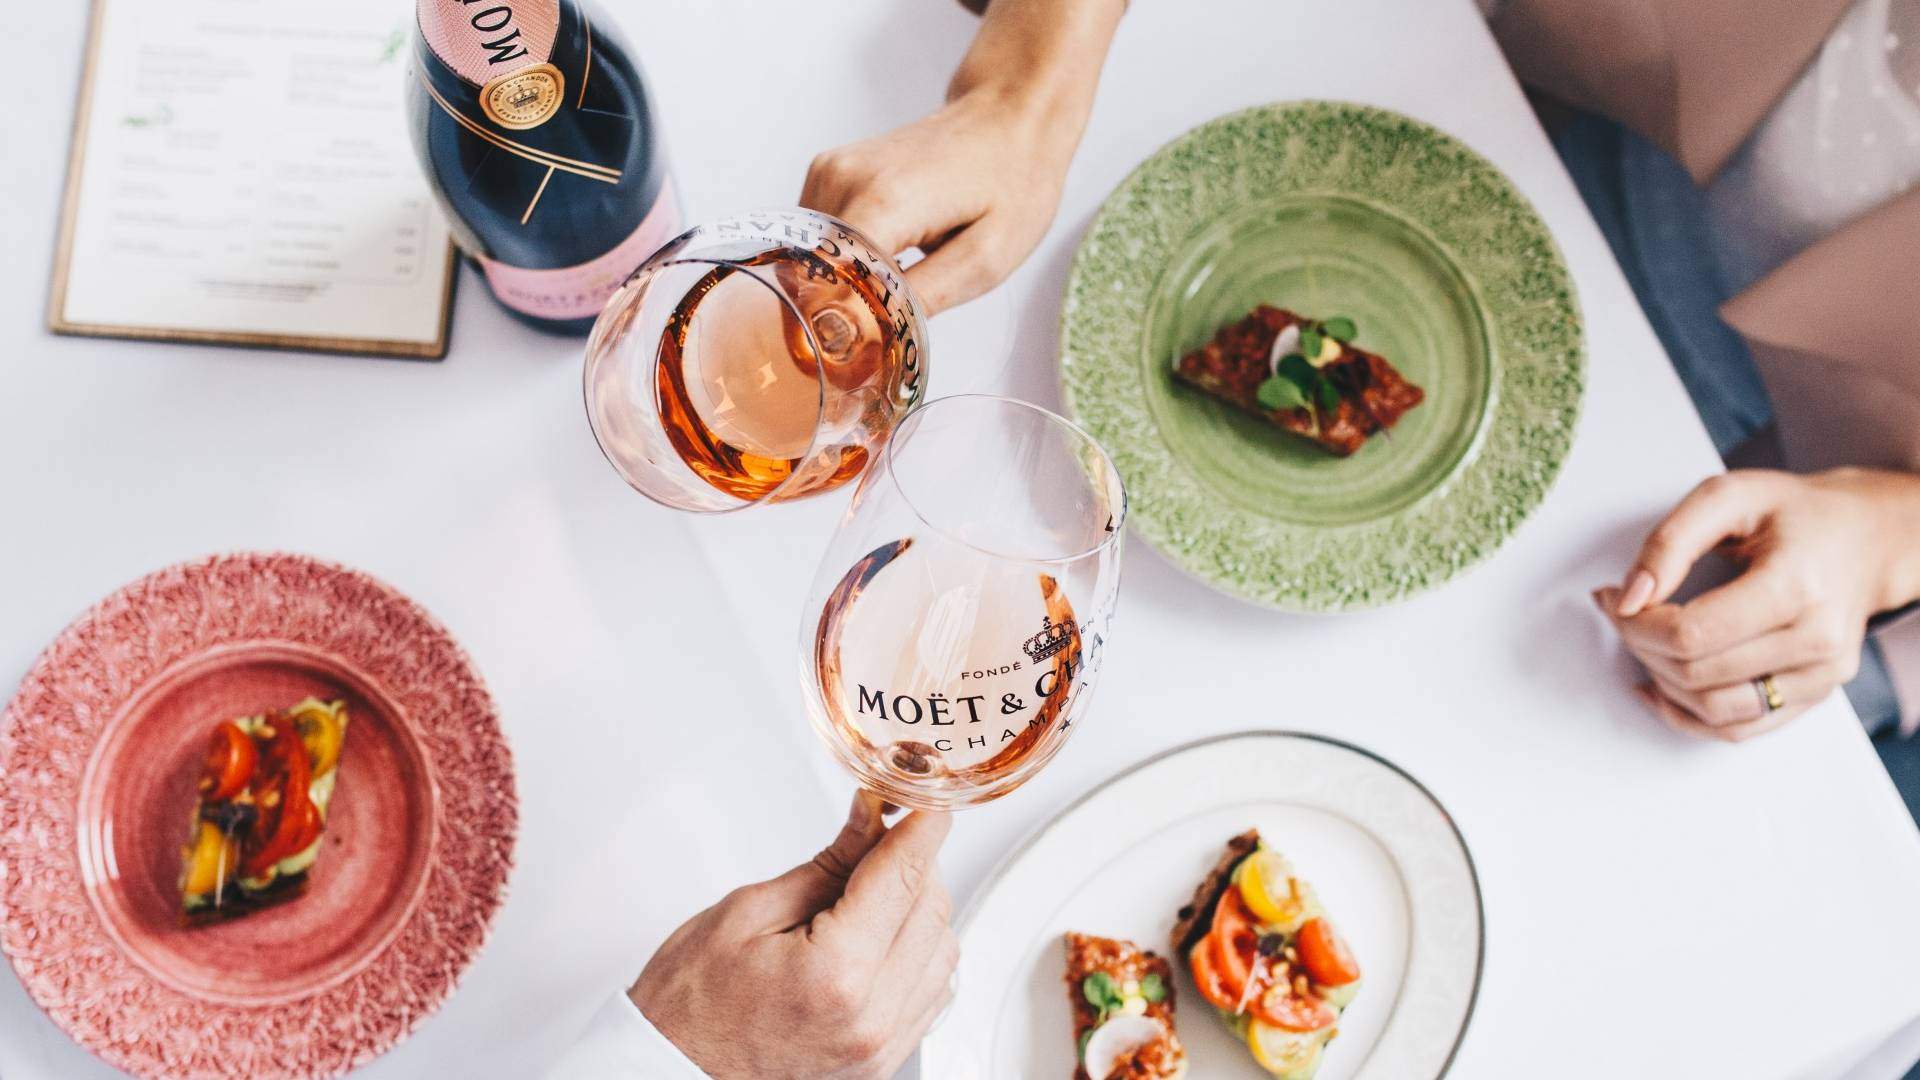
x=1283, y=1008
x=1206, y=978
x=231, y=759
x=310, y=828
x=293, y=824
x=300, y=828
x=1236, y=941
x=307, y=831
x=284, y=841
x=290, y=775
x=290, y=757
x=1328, y=960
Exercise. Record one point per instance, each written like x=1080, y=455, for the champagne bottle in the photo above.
x=538, y=135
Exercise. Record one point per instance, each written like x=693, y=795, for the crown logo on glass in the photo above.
x=1051, y=639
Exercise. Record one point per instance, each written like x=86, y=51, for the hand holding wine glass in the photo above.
x=835, y=968
x=975, y=184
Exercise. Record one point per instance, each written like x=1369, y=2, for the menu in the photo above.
x=241, y=174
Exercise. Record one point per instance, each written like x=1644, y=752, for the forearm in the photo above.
x=1042, y=57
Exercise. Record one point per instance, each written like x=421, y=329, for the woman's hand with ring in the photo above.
x=1819, y=555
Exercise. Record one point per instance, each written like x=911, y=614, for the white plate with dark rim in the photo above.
x=1386, y=859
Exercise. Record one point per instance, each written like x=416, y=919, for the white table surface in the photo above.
x=1642, y=891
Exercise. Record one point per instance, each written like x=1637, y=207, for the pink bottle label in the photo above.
x=482, y=40
x=577, y=292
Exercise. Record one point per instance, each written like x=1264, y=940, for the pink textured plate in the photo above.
x=99, y=751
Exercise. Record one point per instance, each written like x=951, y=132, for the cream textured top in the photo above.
x=1844, y=140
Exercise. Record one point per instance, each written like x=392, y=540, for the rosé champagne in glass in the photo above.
x=958, y=620
x=756, y=359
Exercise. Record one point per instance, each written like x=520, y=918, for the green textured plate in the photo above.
x=1329, y=209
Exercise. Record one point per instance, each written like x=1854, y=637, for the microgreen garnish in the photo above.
x=1296, y=382
x=1084, y=1036
x=1298, y=385
x=1280, y=392
x=1106, y=996
x=1295, y=367
x=1101, y=991
x=1309, y=340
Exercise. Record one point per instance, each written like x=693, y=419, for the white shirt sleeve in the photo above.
x=620, y=1044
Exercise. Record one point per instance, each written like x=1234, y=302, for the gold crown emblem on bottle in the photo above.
x=523, y=99
x=1051, y=639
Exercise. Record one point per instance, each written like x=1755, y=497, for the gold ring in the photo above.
x=1769, y=693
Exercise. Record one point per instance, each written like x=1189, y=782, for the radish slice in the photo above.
x=1114, y=1041
x=1287, y=342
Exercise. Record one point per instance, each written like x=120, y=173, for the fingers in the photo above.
x=1743, y=610
x=925, y=926
x=884, y=888
x=891, y=224
x=798, y=895
x=960, y=263
x=894, y=213
x=1722, y=506
x=1679, y=720
x=1741, y=702
x=885, y=951
x=964, y=267
x=924, y=950
x=920, y=971
x=1776, y=650
x=822, y=190
x=918, y=1018
x=864, y=829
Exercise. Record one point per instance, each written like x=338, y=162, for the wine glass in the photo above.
x=956, y=625
x=755, y=359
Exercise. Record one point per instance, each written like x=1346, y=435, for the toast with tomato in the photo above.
x=1122, y=997
x=1264, y=954
x=264, y=790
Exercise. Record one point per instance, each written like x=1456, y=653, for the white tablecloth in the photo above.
x=1644, y=893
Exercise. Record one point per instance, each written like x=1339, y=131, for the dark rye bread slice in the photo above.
x=1197, y=917
x=235, y=901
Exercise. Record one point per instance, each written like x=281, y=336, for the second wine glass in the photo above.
x=956, y=625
